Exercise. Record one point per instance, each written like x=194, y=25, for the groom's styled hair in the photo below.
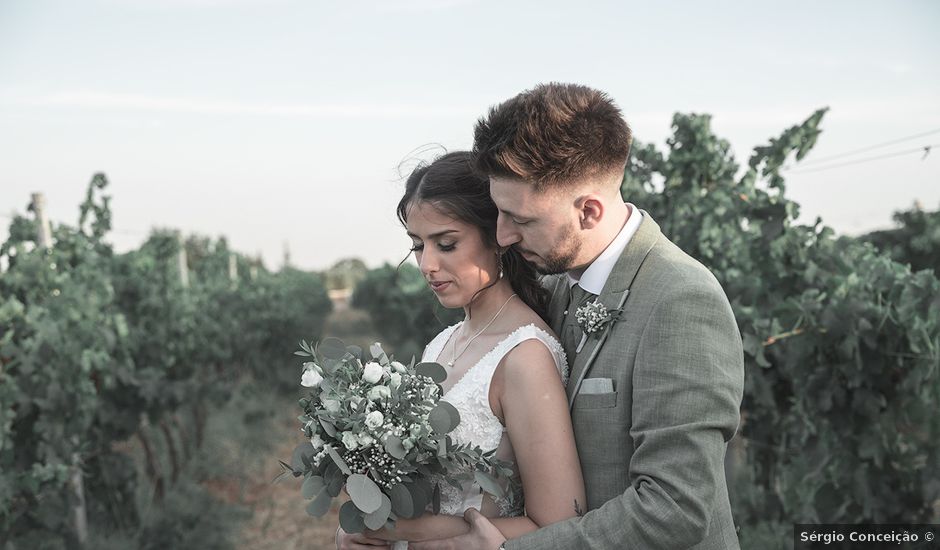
x=552, y=135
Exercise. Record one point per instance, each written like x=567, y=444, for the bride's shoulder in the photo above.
x=533, y=359
x=534, y=343
x=534, y=323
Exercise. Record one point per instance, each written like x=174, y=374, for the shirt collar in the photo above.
x=595, y=276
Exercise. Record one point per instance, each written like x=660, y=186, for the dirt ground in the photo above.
x=279, y=520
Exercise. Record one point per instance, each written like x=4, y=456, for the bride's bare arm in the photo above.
x=527, y=395
x=534, y=409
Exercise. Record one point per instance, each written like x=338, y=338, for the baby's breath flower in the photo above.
x=593, y=317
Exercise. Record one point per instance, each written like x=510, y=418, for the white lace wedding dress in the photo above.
x=478, y=425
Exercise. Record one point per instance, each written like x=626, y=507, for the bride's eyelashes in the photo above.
x=441, y=246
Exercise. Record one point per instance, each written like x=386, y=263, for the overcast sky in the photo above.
x=272, y=121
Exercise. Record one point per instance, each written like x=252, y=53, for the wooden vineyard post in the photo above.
x=253, y=271
x=44, y=236
x=233, y=269
x=79, y=514
x=76, y=481
x=183, y=264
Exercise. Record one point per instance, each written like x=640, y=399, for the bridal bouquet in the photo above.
x=379, y=428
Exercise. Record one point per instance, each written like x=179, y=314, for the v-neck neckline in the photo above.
x=482, y=357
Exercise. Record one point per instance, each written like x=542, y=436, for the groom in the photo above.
x=654, y=393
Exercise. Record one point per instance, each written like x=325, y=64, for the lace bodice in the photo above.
x=470, y=396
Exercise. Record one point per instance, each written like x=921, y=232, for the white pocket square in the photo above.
x=591, y=386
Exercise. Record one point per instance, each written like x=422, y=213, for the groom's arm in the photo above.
x=687, y=385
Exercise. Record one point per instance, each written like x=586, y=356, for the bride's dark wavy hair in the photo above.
x=451, y=185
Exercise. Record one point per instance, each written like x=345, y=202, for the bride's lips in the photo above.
x=439, y=286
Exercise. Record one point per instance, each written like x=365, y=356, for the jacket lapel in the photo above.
x=614, y=296
x=556, y=307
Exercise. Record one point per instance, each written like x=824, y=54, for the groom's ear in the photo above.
x=592, y=210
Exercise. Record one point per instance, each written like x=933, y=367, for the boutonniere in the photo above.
x=594, y=317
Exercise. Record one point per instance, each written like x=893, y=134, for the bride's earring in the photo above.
x=499, y=262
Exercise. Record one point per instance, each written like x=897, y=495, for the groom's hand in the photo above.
x=483, y=535
x=358, y=541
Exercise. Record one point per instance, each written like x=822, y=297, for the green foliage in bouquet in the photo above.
x=381, y=429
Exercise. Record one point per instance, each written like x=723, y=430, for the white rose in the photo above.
x=365, y=440
x=311, y=378
x=394, y=380
x=372, y=372
x=398, y=367
x=374, y=419
x=331, y=405
x=316, y=441
x=408, y=444
x=378, y=392
x=350, y=441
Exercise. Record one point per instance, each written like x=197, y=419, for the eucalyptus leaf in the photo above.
x=377, y=519
x=402, y=502
x=338, y=460
x=320, y=505
x=444, y=418
x=300, y=451
x=420, y=498
x=334, y=483
x=351, y=518
x=312, y=487
x=355, y=351
x=330, y=365
x=433, y=370
x=394, y=447
x=364, y=493
x=328, y=427
x=332, y=348
x=488, y=483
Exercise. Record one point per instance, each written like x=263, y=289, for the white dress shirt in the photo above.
x=595, y=276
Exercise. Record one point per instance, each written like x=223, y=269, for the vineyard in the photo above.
x=145, y=396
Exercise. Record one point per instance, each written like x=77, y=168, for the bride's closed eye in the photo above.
x=442, y=247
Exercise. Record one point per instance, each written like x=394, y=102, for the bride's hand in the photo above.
x=358, y=541
x=483, y=535
x=404, y=530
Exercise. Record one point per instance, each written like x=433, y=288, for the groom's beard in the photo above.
x=562, y=257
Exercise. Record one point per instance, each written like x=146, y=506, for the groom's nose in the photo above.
x=506, y=234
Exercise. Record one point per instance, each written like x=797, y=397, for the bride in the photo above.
x=506, y=371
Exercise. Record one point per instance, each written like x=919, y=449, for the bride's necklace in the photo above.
x=456, y=355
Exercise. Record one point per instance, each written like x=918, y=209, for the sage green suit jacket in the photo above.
x=652, y=451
